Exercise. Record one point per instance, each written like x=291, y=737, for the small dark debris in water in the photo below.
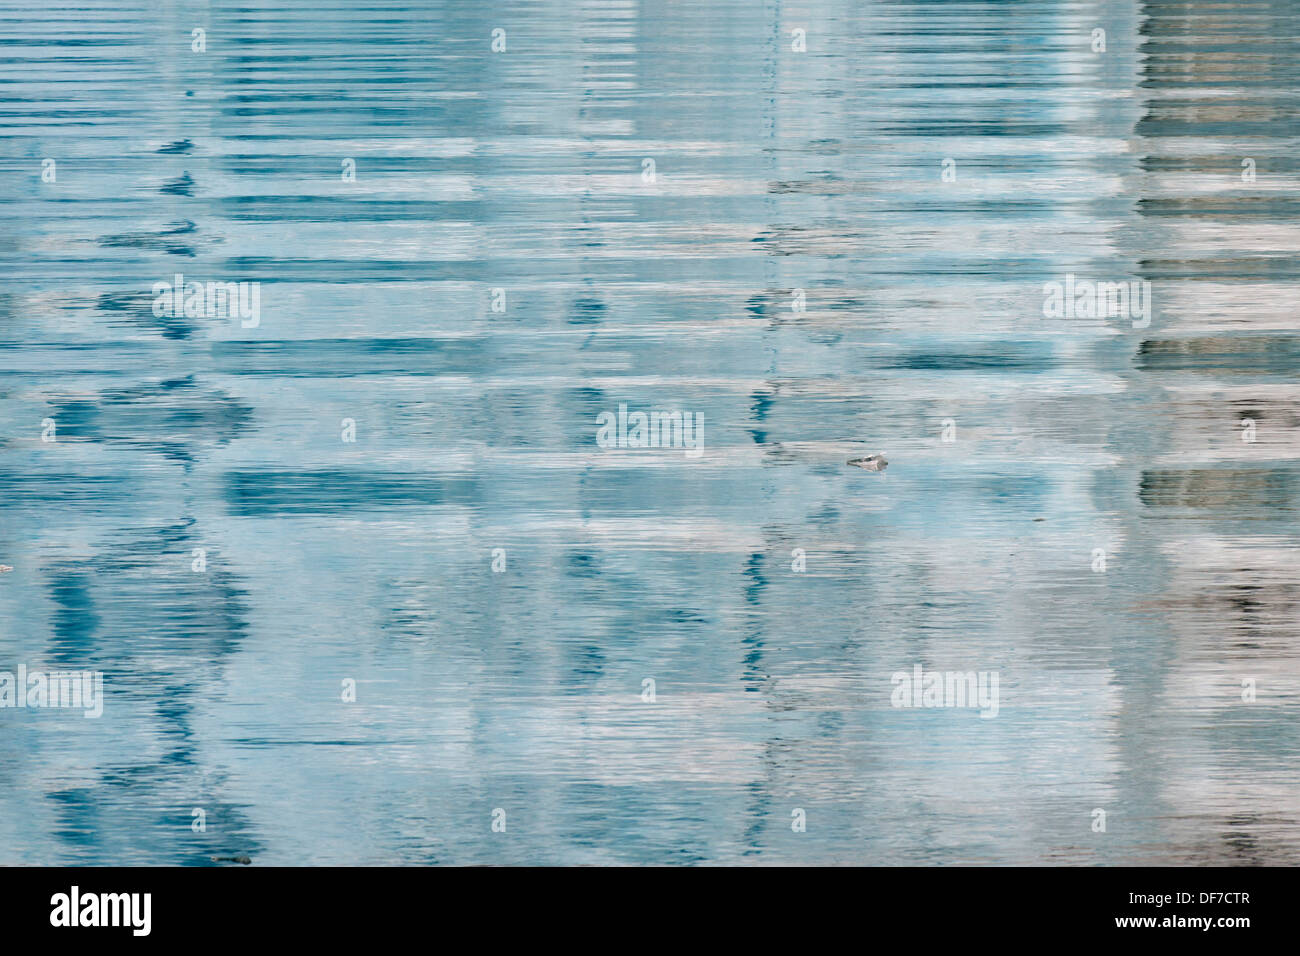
x=587, y=312
x=151, y=240
x=183, y=185
x=1040, y=519
x=231, y=859
x=180, y=146
x=167, y=239
x=871, y=462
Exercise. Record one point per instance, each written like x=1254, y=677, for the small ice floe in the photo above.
x=871, y=462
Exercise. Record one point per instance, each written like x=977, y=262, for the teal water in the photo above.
x=775, y=172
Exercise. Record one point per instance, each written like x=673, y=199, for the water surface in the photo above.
x=776, y=173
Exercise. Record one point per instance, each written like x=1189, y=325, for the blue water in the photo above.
x=775, y=172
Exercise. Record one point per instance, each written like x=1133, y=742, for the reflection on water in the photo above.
x=799, y=266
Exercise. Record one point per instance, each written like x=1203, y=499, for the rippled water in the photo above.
x=775, y=173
